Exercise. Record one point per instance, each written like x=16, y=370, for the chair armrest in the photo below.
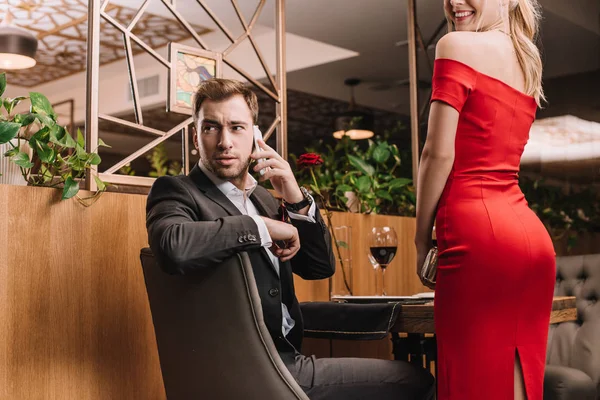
x=564, y=383
x=330, y=320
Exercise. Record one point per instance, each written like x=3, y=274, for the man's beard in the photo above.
x=227, y=173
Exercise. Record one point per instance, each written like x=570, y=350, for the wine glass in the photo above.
x=383, y=244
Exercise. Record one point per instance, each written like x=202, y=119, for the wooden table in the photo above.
x=416, y=321
x=418, y=318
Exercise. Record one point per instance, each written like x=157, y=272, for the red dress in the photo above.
x=496, y=268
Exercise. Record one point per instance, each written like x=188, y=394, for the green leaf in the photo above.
x=100, y=183
x=398, y=183
x=44, y=119
x=77, y=164
x=67, y=141
x=11, y=152
x=40, y=136
x=81, y=139
x=71, y=188
x=2, y=83
x=343, y=188
x=382, y=194
x=94, y=159
x=46, y=174
x=10, y=104
x=360, y=164
x=381, y=153
x=8, y=130
x=56, y=132
x=45, y=152
x=102, y=144
x=22, y=160
x=80, y=152
x=41, y=105
x=24, y=119
x=363, y=184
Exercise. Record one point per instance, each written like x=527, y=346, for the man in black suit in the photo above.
x=199, y=220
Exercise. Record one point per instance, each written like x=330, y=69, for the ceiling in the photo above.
x=61, y=29
x=570, y=39
x=570, y=36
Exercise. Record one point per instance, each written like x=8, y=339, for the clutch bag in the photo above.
x=429, y=270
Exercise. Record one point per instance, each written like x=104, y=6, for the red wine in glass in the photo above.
x=383, y=245
x=384, y=254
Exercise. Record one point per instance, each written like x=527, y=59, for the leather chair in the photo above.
x=211, y=337
x=573, y=358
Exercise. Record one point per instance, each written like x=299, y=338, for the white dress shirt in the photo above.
x=241, y=200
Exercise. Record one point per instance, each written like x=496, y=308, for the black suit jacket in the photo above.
x=193, y=225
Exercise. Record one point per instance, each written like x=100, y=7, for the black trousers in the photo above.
x=361, y=379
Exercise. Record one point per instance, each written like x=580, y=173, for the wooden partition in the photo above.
x=74, y=316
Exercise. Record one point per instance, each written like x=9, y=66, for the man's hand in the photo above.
x=280, y=174
x=281, y=231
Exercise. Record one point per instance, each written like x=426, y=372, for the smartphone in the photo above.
x=258, y=136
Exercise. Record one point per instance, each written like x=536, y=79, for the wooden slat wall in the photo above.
x=401, y=278
x=75, y=322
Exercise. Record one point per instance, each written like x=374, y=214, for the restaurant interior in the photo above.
x=110, y=83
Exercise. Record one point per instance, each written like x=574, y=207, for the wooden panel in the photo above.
x=401, y=276
x=75, y=317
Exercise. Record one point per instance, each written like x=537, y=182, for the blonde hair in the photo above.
x=523, y=20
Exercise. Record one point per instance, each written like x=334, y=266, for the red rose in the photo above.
x=308, y=160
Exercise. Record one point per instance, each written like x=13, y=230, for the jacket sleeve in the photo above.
x=315, y=259
x=180, y=241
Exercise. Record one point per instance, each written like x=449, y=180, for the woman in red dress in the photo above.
x=496, y=267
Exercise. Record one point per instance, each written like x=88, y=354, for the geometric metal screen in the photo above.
x=97, y=13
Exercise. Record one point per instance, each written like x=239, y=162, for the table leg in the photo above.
x=412, y=347
x=399, y=347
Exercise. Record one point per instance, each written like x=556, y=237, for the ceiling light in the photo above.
x=353, y=123
x=17, y=46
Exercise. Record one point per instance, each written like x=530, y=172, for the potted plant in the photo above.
x=354, y=179
x=56, y=159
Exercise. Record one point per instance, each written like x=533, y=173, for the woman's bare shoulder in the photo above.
x=471, y=48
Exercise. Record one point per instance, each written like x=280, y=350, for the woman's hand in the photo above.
x=422, y=250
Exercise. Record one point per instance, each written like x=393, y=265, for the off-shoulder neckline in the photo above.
x=488, y=76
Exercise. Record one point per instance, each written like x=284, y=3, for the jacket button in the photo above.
x=273, y=292
x=252, y=238
x=241, y=239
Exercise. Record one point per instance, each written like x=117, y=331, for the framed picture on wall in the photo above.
x=189, y=66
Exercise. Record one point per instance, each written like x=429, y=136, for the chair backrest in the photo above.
x=577, y=344
x=211, y=337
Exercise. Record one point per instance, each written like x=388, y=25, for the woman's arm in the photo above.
x=436, y=162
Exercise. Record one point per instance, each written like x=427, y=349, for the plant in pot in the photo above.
x=56, y=159
x=361, y=179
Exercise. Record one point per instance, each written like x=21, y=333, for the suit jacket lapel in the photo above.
x=212, y=192
x=259, y=201
x=257, y=197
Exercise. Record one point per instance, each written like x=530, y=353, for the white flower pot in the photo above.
x=11, y=173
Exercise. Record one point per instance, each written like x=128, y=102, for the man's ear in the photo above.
x=195, y=138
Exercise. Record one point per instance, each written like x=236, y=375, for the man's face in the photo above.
x=225, y=138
